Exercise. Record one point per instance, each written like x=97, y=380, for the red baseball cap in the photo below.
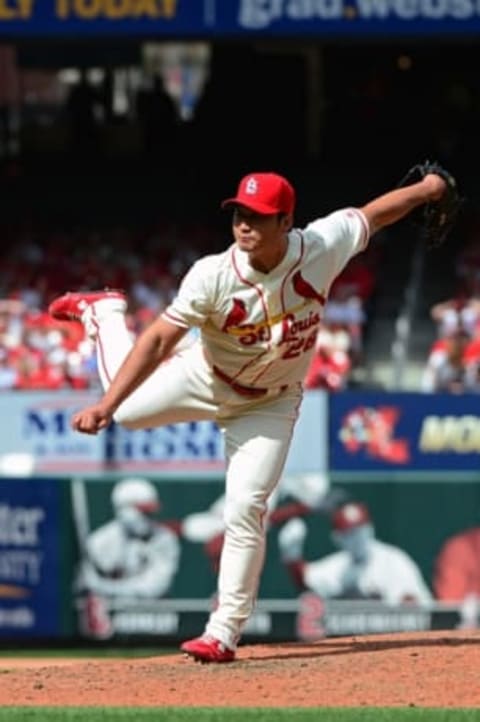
x=266, y=193
x=350, y=515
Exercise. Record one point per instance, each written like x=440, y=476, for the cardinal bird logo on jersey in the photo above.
x=372, y=429
x=304, y=289
x=236, y=316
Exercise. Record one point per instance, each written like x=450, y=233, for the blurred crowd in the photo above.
x=60, y=126
x=453, y=363
x=37, y=352
x=340, y=340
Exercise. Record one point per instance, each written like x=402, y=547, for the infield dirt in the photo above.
x=424, y=669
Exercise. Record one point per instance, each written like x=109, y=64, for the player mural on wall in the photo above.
x=296, y=495
x=247, y=377
x=456, y=574
x=129, y=561
x=132, y=556
x=363, y=567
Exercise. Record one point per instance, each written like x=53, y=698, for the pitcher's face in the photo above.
x=263, y=237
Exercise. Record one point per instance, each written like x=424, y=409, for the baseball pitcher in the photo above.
x=258, y=306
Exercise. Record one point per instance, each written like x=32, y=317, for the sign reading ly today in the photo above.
x=135, y=17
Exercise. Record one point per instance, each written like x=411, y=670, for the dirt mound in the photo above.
x=424, y=669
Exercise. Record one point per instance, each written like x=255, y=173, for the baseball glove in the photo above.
x=436, y=218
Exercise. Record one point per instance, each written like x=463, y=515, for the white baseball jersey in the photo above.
x=120, y=565
x=389, y=575
x=259, y=328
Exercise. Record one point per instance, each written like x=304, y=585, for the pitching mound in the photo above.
x=425, y=669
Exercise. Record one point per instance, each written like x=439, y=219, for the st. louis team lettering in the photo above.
x=292, y=332
x=293, y=326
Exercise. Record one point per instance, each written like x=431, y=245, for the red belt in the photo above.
x=252, y=392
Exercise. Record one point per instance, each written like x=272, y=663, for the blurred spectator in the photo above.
x=472, y=376
x=43, y=372
x=8, y=374
x=456, y=313
x=349, y=300
x=467, y=264
x=448, y=367
x=11, y=322
x=330, y=366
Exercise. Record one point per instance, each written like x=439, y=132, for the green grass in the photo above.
x=89, y=652
x=228, y=714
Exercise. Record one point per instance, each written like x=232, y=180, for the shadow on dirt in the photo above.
x=352, y=645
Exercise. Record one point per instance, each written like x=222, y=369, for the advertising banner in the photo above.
x=30, y=575
x=37, y=437
x=357, y=18
x=194, y=447
x=197, y=448
x=372, y=432
x=126, y=18
x=185, y=19
x=358, y=558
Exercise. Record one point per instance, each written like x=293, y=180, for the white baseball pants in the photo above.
x=257, y=437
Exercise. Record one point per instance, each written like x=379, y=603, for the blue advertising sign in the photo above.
x=404, y=431
x=318, y=18
x=218, y=19
x=29, y=558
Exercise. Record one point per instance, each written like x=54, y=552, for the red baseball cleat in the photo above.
x=208, y=649
x=71, y=306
